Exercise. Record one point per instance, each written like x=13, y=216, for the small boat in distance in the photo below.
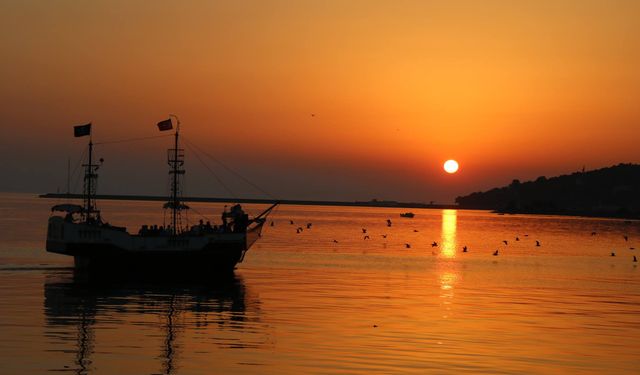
x=407, y=214
x=81, y=232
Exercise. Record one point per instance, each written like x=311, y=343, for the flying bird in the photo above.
x=613, y=254
x=384, y=235
x=517, y=238
x=364, y=230
x=434, y=244
x=366, y=237
x=505, y=242
x=408, y=246
x=464, y=249
x=495, y=253
x=537, y=243
x=635, y=259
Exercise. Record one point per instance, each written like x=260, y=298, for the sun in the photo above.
x=451, y=166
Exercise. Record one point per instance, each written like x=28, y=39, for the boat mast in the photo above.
x=174, y=190
x=90, y=177
x=176, y=161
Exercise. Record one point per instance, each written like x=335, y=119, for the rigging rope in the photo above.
x=196, y=150
x=75, y=169
x=229, y=191
x=230, y=170
x=199, y=213
x=133, y=139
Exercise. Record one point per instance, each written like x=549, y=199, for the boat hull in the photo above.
x=110, y=249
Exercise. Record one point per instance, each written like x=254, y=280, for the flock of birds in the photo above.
x=435, y=244
x=626, y=239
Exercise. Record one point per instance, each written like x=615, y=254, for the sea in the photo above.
x=332, y=299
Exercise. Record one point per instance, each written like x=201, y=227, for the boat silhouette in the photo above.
x=80, y=231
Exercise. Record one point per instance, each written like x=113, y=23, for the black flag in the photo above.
x=82, y=130
x=165, y=125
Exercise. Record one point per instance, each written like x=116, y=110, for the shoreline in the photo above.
x=373, y=203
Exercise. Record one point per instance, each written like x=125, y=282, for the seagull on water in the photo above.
x=408, y=246
x=505, y=242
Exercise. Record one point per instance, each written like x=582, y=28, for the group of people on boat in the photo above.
x=154, y=230
x=233, y=221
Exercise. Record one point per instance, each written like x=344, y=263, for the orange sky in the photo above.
x=510, y=90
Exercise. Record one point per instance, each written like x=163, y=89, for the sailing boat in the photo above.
x=80, y=231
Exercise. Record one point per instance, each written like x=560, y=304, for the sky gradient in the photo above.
x=509, y=89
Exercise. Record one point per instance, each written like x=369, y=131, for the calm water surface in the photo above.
x=302, y=303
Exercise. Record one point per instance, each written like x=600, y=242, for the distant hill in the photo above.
x=611, y=192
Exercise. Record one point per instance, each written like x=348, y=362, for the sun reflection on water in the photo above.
x=447, y=282
x=449, y=222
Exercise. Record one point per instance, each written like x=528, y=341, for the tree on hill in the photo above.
x=612, y=191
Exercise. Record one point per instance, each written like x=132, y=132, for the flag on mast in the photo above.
x=165, y=125
x=82, y=130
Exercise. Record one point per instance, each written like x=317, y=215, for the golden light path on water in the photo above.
x=447, y=268
x=448, y=241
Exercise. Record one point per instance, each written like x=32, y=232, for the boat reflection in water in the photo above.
x=130, y=318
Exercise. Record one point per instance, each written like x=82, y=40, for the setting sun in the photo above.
x=451, y=166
